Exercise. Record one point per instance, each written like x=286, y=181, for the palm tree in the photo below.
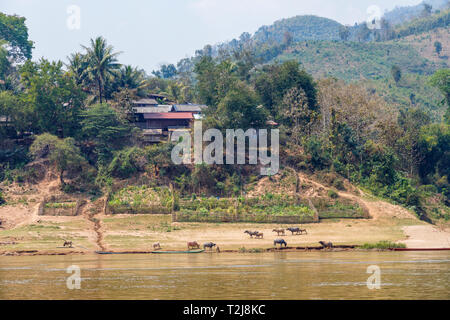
x=131, y=78
x=78, y=67
x=102, y=63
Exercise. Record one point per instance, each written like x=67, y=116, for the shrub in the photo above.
x=339, y=184
x=127, y=162
x=333, y=194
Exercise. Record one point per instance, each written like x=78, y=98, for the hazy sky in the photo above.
x=150, y=32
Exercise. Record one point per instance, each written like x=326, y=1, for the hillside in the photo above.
x=424, y=24
x=401, y=15
x=301, y=28
x=354, y=60
x=411, y=91
x=424, y=44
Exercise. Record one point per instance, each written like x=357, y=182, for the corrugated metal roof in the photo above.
x=189, y=107
x=146, y=102
x=158, y=109
x=169, y=115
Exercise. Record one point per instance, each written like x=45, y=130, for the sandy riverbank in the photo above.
x=137, y=233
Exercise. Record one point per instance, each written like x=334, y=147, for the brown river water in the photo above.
x=289, y=275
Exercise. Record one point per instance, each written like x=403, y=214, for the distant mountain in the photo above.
x=367, y=54
x=404, y=14
x=366, y=57
x=300, y=28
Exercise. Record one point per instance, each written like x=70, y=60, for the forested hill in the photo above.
x=301, y=28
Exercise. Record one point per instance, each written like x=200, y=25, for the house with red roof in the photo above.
x=158, y=122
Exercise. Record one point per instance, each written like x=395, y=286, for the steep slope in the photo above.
x=424, y=44
x=354, y=60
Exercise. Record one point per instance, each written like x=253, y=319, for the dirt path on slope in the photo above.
x=15, y=216
x=90, y=213
x=377, y=209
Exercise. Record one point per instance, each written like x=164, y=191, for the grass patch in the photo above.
x=383, y=245
x=60, y=205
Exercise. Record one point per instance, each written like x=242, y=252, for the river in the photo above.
x=290, y=275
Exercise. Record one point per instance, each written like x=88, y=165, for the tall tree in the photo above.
x=411, y=122
x=441, y=80
x=396, y=73
x=438, y=47
x=78, y=68
x=15, y=32
x=102, y=64
x=239, y=109
x=103, y=131
x=297, y=114
x=278, y=79
x=130, y=78
x=344, y=33
x=62, y=152
x=54, y=97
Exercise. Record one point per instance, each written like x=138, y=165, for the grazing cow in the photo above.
x=209, y=245
x=297, y=231
x=251, y=233
x=281, y=242
x=259, y=235
x=68, y=244
x=279, y=231
x=327, y=245
x=156, y=246
x=193, y=245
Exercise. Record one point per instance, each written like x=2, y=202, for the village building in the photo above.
x=159, y=122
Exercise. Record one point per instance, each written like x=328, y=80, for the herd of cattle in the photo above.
x=256, y=234
x=279, y=232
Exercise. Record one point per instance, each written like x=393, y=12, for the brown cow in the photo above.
x=279, y=231
x=157, y=246
x=193, y=245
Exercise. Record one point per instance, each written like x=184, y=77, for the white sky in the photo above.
x=150, y=32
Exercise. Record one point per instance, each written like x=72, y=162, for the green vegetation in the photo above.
x=62, y=152
x=14, y=31
x=354, y=60
x=268, y=204
x=338, y=209
x=301, y=28
x=142, y=199
x=60, y=205
x=348, y=103
x=383, y=245
x=441, y=19
x=2, y=199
